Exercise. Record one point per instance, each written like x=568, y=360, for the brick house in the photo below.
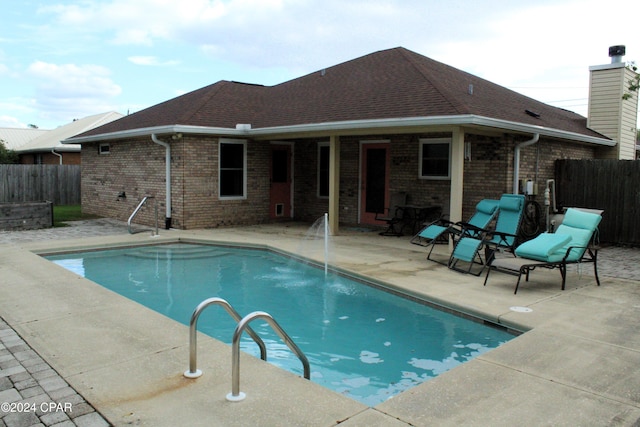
x=47, y=149
x=341, y=140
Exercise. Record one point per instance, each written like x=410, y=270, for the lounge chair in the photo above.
x=393, y=215
x=573, y=242
x=440, y=230
x=504, y=236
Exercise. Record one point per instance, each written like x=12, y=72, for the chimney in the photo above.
x=610, y=114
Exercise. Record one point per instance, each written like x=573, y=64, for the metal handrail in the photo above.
x=236, y=395
x=135, y=212
x=193, y=371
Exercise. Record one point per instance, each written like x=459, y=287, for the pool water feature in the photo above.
x=361, y=341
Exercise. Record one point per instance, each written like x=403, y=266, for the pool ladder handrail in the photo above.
x=193, y=371
x=236, y=395
x=135, y=212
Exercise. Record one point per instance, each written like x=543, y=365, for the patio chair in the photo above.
x=441, y=229
x=393, y=215
x=503, y=237
x=575, y=241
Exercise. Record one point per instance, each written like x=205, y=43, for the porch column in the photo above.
x=457, y=174
x=334, y=184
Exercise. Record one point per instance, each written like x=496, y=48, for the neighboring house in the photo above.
x=47, y=148
x=341, y=140
x=14, y=138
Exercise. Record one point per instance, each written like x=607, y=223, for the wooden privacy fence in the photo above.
x=611, y=185
x=59, y=184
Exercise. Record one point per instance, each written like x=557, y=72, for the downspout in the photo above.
x=516, y=159
x=53, y=151
x=167, y=221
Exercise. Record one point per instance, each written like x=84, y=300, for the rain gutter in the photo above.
x=53, y=151
x=333, y=127
x=167, y=146
x=516, y=159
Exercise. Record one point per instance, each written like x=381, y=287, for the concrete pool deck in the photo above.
x=577, y=364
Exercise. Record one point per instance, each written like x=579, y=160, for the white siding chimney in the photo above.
x=608, y=113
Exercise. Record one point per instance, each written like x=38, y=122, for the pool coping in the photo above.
x=415, y=407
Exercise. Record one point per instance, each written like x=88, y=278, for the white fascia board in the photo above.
x=336, y=127
x=460, y=120
x=551, y=132
x=158, y=130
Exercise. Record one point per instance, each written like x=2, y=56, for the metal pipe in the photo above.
x=516, y=159
x=193, y=371
x=53, y=151
x=167, y=147
x=135, y=212
x=236, y=395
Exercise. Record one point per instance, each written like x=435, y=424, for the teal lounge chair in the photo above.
x=441, y=229
x=505, y=236
x=573, y=242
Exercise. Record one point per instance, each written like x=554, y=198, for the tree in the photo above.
x=633, y=84
x=7, y=156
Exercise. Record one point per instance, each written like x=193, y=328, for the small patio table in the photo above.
x=415, y=215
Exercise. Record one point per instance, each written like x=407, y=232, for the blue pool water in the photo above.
x=360, y=341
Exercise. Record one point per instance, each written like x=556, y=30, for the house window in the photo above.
x=323, y=169
x=232, y=173
x=104, y=149
x=435, y=158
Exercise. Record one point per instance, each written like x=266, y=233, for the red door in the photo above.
x=280, y=205
x=374, y=194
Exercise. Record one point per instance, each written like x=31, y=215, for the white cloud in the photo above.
x=139, y=22
x=14, y=108
x=151, y=61
x=11, y=122
x=548, y=44
x=305, y=35
x=71, y=91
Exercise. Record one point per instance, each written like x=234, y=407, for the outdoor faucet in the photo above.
x=121, y=195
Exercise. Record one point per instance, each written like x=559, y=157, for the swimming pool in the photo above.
x=361, y=341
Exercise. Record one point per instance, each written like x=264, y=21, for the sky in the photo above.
x=62, y=60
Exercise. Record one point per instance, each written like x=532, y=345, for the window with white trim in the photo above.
x=435, y=158
x=323, y=169
x=232, y=161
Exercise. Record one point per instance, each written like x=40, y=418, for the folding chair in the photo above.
x=504, y=236
x=440, y=230
x=393, y=215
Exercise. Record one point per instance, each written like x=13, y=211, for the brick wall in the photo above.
x=404, y=151
x=489, y=172
x=307, y=205
x=48, y=158
x=136, y=167
x=487, y=175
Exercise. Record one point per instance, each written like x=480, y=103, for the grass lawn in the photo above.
x=61, y=214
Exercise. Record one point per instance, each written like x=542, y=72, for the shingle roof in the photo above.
x=393, y=83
